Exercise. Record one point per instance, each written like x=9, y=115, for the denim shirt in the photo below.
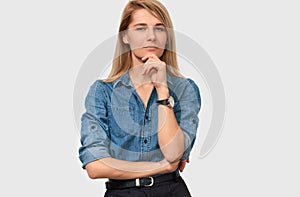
x=116, y=124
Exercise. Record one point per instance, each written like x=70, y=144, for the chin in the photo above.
x=142, y=52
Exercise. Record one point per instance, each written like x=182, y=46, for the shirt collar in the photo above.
x=124, y=79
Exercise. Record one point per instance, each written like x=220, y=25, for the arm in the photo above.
x=119, y=169
x=175, y=136
x=190, y=104
x=170, y=135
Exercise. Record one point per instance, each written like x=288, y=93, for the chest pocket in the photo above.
x=122, y=121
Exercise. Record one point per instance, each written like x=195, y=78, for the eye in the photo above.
x=159, y=28
x=141, y=29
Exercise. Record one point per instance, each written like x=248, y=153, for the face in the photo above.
x=146, y=35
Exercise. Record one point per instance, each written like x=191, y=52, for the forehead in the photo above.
x=143, y=16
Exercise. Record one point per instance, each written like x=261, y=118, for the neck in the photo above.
x=136, y=60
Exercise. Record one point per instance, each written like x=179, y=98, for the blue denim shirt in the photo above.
x=116, y=123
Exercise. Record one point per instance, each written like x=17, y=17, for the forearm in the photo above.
x=170, y=135
x=120, y=169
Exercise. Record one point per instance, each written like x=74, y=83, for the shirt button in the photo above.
x=145, y=141
x=146, y=116
x=93, y=127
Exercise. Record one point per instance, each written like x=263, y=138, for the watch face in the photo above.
x=171, y=101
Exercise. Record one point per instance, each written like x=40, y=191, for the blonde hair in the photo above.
x=122, y=61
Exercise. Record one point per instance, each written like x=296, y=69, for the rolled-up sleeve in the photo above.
x=187, y=115
x=94, y=126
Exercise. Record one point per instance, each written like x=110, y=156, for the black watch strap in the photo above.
x=168, y=102
x=163, y=102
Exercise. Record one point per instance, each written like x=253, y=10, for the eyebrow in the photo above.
x=144, y=24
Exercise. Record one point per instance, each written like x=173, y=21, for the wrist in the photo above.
x=163, y=165
x=162, y=93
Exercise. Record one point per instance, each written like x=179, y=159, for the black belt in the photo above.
x=141, y=182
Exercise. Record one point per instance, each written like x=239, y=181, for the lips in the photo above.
x=151, y=47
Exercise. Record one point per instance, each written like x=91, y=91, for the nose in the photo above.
x=151, y=34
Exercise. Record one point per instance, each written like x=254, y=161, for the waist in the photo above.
x=142, y=182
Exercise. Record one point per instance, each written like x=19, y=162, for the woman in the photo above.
x=140, y=123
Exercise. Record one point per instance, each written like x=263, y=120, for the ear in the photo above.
x=125, y=38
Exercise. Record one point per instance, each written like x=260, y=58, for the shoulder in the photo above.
x=194, y=86
x=195, y=90
x=100, y=84
x=99, y=89
x=184, y=89
x=182, y=84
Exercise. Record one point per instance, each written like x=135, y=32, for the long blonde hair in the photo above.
x=122, y=57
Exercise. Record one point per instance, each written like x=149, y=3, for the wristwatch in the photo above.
x=169, y=102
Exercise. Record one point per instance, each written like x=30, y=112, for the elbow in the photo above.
x=173, y=151
x=171, y=157
x=91, y=172
x=92, y=176
x=173, y=154
x=95, y=171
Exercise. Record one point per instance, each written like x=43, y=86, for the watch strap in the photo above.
x=163, y=102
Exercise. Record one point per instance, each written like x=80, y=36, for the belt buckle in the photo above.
x=152, y=182
x=138, y=184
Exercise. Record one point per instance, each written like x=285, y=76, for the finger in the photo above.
x=144, y=59
x=152, y=71
x=148, y=67
x=150, y=56
x=145, y=68
x=152, y=59
x=147, y=58
x=182, y=166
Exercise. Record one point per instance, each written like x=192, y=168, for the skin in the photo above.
x=147, y=38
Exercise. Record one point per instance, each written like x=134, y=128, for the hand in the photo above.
x=156, y=69
x=183, y=163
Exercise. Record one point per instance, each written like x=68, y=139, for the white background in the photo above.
x=254, y=44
